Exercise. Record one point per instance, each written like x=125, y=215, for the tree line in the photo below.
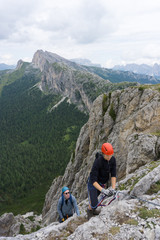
x=36, y=144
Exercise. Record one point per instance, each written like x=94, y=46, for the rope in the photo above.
x=143, y=200
x=117, y=196
x=132, y=196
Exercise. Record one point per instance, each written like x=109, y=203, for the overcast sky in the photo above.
x=107, y=32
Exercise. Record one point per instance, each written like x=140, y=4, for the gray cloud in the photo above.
x=83, y=23
x=14, y=14
x=102, y=30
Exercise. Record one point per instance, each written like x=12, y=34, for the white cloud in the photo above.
x=106, y=32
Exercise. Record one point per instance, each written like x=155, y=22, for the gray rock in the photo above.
x=10, y=225
x=69, y=79
x=146, y=182
x=157, y=232
x=6, y=221
x=132, y=132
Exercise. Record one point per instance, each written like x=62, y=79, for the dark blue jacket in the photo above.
x=102, y=169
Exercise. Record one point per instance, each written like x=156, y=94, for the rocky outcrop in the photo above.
x=6, y=222
x=129, y=119
x=69, y=79
x=151, y=179
x=19, y=64
x=11, y=225
x=125, y=218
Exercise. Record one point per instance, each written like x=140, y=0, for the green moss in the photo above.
x=156, y=134
x=136, y=136
x=110, y=94
x=100, y=236
x=155, y=188
x=132, y=221
x=122, y=187
x=134, y=181
x=114, y=230
x=146, y=213
x=78, y=95
x=150, y=86
x=35, y=229
x=153, y=165
x=73, y=156
x=104, y=104
x=31, y=218
x=112, y=112
x=130, y=183
x=22, y=229
x=141, y=88
x=59, y=67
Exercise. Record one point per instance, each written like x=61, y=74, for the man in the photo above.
x=104, y=165
x=67, y=205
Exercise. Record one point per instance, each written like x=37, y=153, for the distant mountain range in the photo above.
x=40, y=120
x=140, y=69
x=4, y=66
x=85, y=62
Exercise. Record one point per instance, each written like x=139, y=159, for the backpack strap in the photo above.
x=62, y=201
x=70, y=198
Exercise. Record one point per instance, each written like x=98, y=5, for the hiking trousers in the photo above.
x=93, y=195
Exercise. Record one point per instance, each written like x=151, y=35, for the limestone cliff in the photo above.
x=67, y=78
x=125, y=218
x=130, y=120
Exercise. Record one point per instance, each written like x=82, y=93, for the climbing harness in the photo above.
x=103, y=197
x=116, y=196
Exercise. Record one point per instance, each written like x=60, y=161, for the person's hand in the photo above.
x=107, y=192
x=62, y=219
x=113, y=191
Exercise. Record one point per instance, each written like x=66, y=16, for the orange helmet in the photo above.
x=107, y=149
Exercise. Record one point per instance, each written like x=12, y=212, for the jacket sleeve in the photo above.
x=75, y=206
x=59, y=208
x=95, y=171
x=113, y=168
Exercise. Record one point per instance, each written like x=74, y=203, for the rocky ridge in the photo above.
x=129, y=119
x=11, y=225
x=71, y=80
x=125, y=218
x=67, y=78
x=140, y=68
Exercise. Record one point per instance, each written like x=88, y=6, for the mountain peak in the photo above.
x=51, y=57
x=140, y=69
x=19, y=64
x=41, y=58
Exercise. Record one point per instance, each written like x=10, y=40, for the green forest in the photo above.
x=35, y=143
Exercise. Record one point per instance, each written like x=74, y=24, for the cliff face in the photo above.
x=130, y=121
x=69, y=79
x=125, y=218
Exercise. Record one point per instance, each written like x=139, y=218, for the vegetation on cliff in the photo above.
x=36, y=144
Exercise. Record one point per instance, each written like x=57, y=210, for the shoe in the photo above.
x=96, y=211
x=89, y=213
